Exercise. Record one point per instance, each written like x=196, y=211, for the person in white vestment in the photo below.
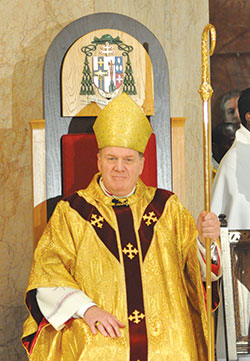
x=223, y=136
x=231, y=191
x=231, y=187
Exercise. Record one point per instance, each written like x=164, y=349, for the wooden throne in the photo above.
x=70, y=111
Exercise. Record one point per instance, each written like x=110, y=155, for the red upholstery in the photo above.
x=79, y=161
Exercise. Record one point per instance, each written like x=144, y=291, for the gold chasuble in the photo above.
x=137, y=261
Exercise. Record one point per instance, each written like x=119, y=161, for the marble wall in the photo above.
x=27, y=29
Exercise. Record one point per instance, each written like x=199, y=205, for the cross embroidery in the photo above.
x=107, y=49
x=96, y=221
x=119, y=79
x=136, y=317
x=149, y=218
x=130, y=251
x=100, y=62
x=100, y=73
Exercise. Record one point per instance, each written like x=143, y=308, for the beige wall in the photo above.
x=27, y=29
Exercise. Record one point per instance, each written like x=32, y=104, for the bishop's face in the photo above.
x=120, y=168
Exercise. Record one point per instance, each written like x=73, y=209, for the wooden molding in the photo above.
x=38, y=178
x=178, y=157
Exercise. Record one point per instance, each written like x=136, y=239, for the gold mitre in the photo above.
x=122, y=123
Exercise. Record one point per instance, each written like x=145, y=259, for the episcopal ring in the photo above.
x=97, y=323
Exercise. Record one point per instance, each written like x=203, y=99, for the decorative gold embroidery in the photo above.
x=120, y=202
x=130, y=251
x=149, y=218
x=97, y=221
x=136, y=317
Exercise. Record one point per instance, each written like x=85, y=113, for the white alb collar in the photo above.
x=112, y=195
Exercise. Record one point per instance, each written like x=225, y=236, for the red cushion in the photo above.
x=79, y=158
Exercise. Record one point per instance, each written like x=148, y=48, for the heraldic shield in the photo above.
x=101, y=65
x=108, y=74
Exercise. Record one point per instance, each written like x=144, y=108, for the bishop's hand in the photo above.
x=208, y=226
x=103, y=321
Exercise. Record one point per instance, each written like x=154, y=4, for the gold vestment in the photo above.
x=71, y=254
